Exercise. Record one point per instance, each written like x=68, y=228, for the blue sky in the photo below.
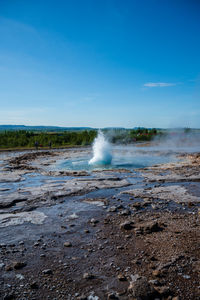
x=100, y=63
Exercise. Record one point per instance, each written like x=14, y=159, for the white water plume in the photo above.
x=101, y=151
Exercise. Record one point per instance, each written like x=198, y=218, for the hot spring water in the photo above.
x=101, y=151
x=105, y=156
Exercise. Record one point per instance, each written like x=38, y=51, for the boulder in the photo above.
x=141, y=289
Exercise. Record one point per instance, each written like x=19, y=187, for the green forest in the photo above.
x=31, y=139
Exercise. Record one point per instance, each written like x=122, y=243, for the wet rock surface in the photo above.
x=99, y=236
x=8, y=219
x=178, y=193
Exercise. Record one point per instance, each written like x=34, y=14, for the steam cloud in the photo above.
x=101, y=151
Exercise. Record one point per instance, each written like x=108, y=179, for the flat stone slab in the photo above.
x=53, y=190
x=22, y=217
x=11, y=199
x=65, y=173
x=187, y=170
x=151, y=177
x=10, y=177
x=175, y=193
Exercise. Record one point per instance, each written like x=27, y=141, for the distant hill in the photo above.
x=115, y=128
x=42, y=128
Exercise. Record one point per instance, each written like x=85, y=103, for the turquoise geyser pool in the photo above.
x=128, y=157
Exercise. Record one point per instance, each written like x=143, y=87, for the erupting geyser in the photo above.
x=101, y=151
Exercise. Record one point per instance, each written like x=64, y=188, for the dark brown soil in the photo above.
x=111, y=256
x=156, y=255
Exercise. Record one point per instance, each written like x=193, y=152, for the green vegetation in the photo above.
x=143, y=134
x=126, y=136
x=29, y=139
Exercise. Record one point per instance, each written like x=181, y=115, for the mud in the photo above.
x=110, y=234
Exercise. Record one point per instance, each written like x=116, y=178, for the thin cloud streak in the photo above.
x=159, y=84
x=10, y=24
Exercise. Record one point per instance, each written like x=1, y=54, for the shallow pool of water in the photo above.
x=126, y=157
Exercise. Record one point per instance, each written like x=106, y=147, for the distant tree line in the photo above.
x=29, y=139
x=143, y=134
x=133, y=135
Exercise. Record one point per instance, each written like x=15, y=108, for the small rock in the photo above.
x=125, y=212
x=156, y=273
x=88, y=276
x=135, y=277
x=163, y=290
x=112, y=209
x=34, y=285
x=122, y=277
x=127, y=236
x=67, y=244
x=94, y=221
x=20, y=276
x=154, y=282
x=137, y=205
x=82, y=297
x=120, y=247
x=141, y=289
x=47, y=271
x=76, y=295
x=9, y=297
x=112, y=296
x=106, y=221
x=2, y=265
x=127, y=269
x=153, y=258
x=147, y=228
x=126, y=225
x=36, y=244
x=120, y=206
x=186, y=276
x=18, y=265
x=9, y=268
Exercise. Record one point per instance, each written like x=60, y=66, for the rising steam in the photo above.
x=101, y=151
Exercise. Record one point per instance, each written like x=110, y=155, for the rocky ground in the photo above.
x=103, y=235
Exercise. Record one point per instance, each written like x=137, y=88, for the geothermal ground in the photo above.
x=94, y=234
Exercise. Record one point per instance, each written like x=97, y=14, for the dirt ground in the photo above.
x=128, y=236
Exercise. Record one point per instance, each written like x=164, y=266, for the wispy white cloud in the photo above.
x=90, y=97
x=10, y=24
x=159, y=84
